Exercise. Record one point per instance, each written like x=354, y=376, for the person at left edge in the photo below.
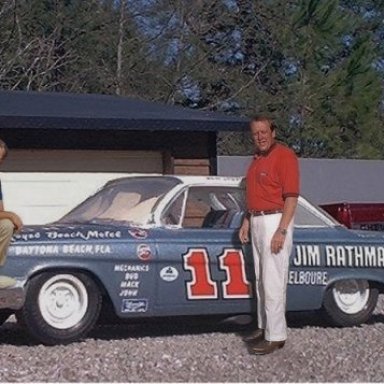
x=10, y=222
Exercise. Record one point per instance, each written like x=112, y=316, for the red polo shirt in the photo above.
x=271, y=178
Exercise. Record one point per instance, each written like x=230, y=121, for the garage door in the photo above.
x=43, y=197
x=83, y=161
x=43, y=185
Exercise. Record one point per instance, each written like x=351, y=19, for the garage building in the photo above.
x=62, y=132
x=66, y=146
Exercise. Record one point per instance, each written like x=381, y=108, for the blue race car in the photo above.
x=151, y=246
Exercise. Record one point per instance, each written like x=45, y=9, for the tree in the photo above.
x=334, y=90
x=319, y=83
x=316, y=66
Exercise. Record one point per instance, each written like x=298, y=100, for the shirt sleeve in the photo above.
x=289, y=175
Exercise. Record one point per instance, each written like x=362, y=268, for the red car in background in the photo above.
x=367, y=216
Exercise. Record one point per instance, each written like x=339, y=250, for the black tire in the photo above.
x=74, y=294
x=19, y=318
x=350, y=302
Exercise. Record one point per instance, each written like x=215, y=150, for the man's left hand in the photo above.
x=277, y=242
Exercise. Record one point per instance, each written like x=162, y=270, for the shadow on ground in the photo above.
x=14, y=334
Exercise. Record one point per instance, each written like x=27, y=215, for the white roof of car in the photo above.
x=193, y=179
x=226, y=180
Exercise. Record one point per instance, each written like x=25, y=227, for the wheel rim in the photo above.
x=63, y=301
x=351, y=296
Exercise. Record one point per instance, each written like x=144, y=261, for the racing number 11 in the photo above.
x=202, y=286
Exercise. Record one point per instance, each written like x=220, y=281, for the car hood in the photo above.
x=78, y=232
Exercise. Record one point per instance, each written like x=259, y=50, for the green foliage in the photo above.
x=315, y=65
x=335, y=92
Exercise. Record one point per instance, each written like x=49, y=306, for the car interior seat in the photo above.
x=214, y=219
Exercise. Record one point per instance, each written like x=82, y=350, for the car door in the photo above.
x=202, y=266
x=308, y=276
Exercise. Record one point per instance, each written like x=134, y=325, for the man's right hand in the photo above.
x=244, y=231
x=16, y=220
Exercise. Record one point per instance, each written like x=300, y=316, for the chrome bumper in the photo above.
x=13, y=297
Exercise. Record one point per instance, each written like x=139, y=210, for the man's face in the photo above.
x=262, y=135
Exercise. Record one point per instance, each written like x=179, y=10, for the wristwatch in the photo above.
x=283, y=231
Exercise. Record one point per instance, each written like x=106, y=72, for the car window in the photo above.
x=129, y=201
x=211, y=207
x=174, y=213
x=307, y=215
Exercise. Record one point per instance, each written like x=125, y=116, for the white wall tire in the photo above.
x=61, y=307
x=63, y=301
x=350, y=302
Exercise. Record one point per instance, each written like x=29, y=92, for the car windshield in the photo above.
x=128, y=201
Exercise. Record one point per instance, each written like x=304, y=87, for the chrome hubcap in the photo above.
x=63, y=301
x=351, y=296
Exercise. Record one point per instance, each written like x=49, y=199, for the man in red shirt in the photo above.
x=272, y=190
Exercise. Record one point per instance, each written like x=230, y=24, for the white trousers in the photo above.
x=271, y=271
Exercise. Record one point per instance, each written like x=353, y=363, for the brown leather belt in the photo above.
x=262, y=213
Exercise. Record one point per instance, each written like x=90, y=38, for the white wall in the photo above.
x=42, y=185
x=45, y=197
x=326, y=180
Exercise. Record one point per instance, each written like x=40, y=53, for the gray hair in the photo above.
x=265, y=118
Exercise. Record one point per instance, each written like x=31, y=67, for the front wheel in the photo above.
x=350, y=302
x=61, y=307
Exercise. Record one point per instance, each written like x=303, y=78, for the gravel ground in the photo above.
x=204, y=352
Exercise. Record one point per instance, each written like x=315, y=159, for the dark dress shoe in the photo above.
x=264, y=347
x=258, y=334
